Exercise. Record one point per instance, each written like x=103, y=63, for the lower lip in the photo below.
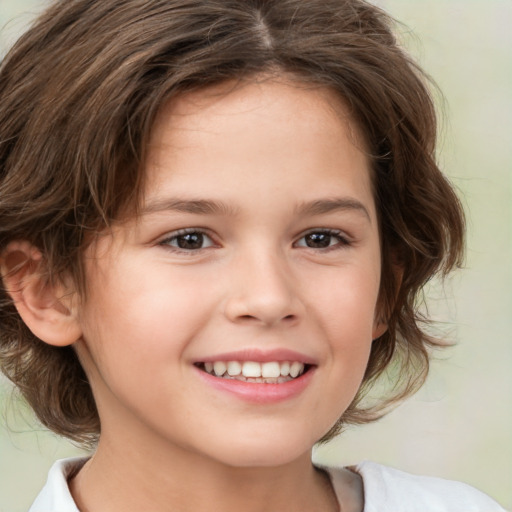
x=258, y=392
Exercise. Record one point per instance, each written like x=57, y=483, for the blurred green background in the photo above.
x=459, y=425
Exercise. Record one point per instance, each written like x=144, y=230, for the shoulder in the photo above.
x=387, y=489
x=55, y=495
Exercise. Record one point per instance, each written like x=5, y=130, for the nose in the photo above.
x=263, y=291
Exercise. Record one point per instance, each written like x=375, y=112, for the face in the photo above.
x=233, y=318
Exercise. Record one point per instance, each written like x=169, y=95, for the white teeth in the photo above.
x=219, y=368
x=285, y=369
x=295, y=369
x=234, y=368
x=270, y=370
x=251, y=369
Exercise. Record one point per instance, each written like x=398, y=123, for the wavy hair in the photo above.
x=79, y=93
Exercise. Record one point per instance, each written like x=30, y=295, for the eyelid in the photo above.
x=165, y=240
x=345, y=240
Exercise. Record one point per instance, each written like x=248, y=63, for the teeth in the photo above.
x=295, y=369
x=285, y=369
x=234, y=368
x=251, y=369
x=270, y=372
x=219, y=368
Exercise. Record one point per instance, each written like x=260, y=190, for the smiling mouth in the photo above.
x=272, y=372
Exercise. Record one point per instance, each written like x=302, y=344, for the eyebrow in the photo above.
x=323, y=206
x=197, y=206
x=213, y=207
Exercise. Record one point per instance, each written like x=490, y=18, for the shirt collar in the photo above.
x=55, y=495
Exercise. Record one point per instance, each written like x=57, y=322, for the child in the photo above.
x=215, y=220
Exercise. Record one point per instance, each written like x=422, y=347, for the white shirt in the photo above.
x=385, y=490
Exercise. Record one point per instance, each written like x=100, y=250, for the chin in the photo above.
x=268, y=452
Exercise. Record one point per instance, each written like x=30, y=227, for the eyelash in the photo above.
x=166, y=242
x=342, y=240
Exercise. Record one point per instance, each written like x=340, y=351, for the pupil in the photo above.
x=318, y=240
x=190, y=241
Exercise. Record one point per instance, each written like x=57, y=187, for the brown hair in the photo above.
x=78, y=96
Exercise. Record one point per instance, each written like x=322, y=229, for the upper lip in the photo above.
x=260, y=356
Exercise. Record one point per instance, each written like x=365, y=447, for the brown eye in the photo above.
x=318, y=240
x=188, y=241
x=322, y=240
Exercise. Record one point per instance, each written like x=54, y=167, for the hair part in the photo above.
x=80, y=91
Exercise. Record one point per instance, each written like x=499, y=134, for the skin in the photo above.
x=169, y=440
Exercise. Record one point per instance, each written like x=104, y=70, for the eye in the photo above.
x=188, y=240
x=322, y=239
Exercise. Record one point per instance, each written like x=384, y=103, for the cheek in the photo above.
x=142, y=316
x=345, y=300
x=346, y=316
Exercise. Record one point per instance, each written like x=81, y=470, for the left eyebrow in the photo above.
x=323, y=206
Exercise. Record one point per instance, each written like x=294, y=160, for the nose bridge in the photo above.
x=262, y=288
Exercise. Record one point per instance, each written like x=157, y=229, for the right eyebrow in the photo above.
x=196, y=206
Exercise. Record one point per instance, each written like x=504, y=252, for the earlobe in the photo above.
x=384, y=309
x=47, y=308
x=379, y=328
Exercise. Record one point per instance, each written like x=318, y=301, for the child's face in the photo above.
x=258, y=242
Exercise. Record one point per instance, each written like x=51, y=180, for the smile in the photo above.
x=271, y=372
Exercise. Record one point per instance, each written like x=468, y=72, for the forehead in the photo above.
x=257, y=102
x=272, y=134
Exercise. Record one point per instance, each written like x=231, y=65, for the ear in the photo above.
x=379, y=328
x=48, y=309
x=380, y=323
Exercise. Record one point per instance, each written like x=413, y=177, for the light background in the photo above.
x=459, y=425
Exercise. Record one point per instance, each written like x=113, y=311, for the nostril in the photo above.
x=285, y=320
